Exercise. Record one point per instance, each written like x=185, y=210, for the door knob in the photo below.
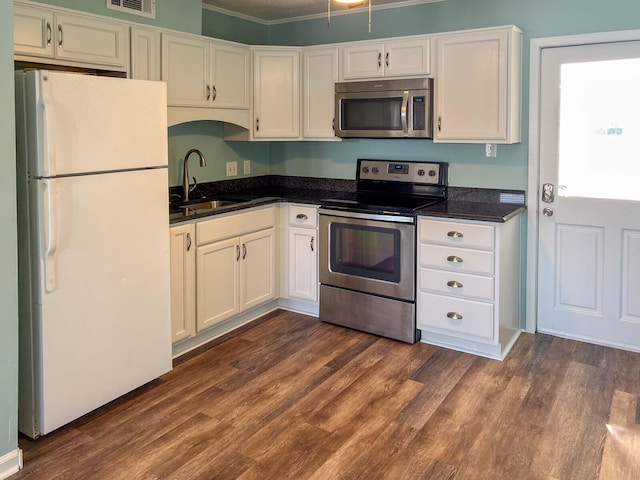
x=548, y=212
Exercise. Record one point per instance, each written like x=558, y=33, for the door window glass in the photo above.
x=599, y=139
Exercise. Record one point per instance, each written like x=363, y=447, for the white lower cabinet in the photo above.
x=183, y=276
x=469, y=285
x=236, y=265
x=300, y=254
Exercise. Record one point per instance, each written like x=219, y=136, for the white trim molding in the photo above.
x=10, y=463
x=537, y=46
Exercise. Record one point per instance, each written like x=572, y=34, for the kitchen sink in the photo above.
x=209, y=205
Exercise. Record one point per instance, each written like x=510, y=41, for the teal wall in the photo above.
x=8, y=243
x=183, y=15
x=207, y=136
x=226, y=27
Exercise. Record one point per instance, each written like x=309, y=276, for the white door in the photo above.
x=217, y=282
x=258, y=268
x=230, y=76
x=186, y=69
x=95, y=124
x=183, y=277
x=319, y=74
x=303, y=263
x=589, y=244
x=103, y=292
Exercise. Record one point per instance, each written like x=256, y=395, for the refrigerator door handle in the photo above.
x=48, y=163
x=50, y=246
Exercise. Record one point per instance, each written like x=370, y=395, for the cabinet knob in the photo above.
x=386, y=60
x=244, y=251
x=454, y=316
x=237, y=253
x=257, y=124
x=454, y=284
x=215, y=93
x=49, y=33
x=439, y=124
x=379, y=59
x=301, y=216
x=188, y=242
x=60, y=36
x=312, y=244
x=455, y=234
x=208, y=92
x=454, y=259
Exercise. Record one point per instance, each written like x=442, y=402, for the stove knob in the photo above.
x=432, y=173
x=421, y=173
x=375, y=170
x=365, y=169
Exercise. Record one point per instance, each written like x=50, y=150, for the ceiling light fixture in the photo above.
x=350, y=4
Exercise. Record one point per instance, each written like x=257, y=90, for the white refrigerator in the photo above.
x=93, y=219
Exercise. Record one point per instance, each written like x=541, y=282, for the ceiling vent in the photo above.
x=146, y=8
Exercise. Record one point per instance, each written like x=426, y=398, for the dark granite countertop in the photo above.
x=489, y=205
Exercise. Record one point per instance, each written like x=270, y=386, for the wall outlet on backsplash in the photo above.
x=247, y=167
x=232, y=169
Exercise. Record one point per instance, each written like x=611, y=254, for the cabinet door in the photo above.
x=183, y=293
x=230, y=83
x=276, y=94
x=89, y=40
x=319, y=74
x=186, y=69
x=217, y=282
x=407, y=57
x=362, y=61
x=474, y=93
x=145, y=53
x=303, y=263
x=32, y=31
x=257, y=268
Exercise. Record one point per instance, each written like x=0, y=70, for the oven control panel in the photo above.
x=392, y=171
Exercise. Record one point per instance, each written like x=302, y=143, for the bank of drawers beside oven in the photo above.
x=469, y=284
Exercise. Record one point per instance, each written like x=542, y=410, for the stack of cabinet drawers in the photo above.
x=469, y=285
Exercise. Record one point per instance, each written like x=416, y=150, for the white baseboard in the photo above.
x=10, y=463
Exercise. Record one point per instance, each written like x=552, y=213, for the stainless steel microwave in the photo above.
x=384, y=108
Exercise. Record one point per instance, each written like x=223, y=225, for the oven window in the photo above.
x=371, y=114
x=369, y=252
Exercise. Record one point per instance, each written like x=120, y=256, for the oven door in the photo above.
x=368, y=253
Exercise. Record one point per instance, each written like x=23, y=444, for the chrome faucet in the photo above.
x=186, y=188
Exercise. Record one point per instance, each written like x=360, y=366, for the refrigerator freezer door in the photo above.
x=103, y=291
x=89, y=124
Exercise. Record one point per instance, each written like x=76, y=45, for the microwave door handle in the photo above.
x=403, y=112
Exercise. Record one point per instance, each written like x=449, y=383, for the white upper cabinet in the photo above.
x=392, y=58
x=205, y=73
x=477, y=86
x=68, y=38
x=319, y=74
x=276, y=93
x=145, y=53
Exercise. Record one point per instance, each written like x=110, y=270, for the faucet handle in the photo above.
x=195, y=184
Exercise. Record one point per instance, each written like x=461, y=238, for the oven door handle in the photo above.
x=367, y=216
x=403, y=112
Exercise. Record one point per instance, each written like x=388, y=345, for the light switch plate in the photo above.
x=490, y=150
x=232, y=169
x=247, y=167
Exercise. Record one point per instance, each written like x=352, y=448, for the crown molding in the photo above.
x=315, y=16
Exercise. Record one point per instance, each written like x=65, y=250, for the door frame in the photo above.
x=537, y=45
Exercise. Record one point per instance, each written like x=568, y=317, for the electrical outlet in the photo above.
x=232, y=169
x=490, y=150
x=247, y=167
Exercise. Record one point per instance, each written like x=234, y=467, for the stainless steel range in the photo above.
x=368, y=247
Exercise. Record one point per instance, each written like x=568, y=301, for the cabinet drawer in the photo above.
x=235, y=225
x=475, y=318
x=455, y=259
x=300, y=216
x=456, y=284
x=453, y=233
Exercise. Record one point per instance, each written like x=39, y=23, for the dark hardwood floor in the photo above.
x=290, y=397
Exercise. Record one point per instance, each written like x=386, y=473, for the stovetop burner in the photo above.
x=385, y=186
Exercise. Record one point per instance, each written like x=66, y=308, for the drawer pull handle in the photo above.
x=454, y=316
x=454, y=234
x=454, y=259
x=454, y=284
x=301, y=216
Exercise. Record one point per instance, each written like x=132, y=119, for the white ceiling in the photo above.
x=268, y=11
